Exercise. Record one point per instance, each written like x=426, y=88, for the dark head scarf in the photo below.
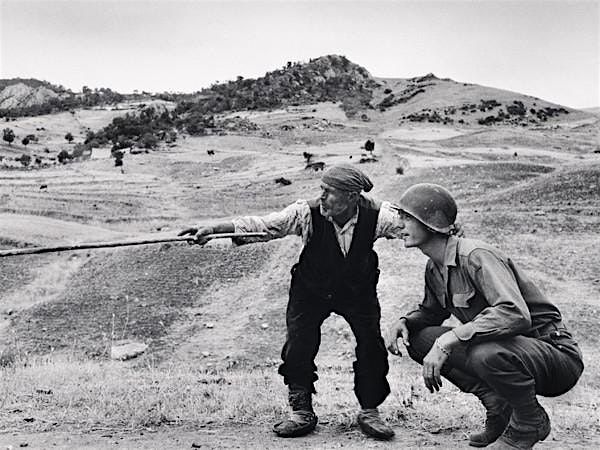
x=347, y=178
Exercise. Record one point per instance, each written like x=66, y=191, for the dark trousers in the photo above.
x=515, y=368
x=304, y=317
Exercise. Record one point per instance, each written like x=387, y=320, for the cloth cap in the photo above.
x=347, y=178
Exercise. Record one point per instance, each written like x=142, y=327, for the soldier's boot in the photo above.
x=302, y=419
x=526, y=428
x=497, y=409
x=497, y=416
x=372, y=424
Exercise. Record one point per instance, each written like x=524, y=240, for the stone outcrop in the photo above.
x=20, y=95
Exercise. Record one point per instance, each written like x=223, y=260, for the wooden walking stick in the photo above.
x=88, y=245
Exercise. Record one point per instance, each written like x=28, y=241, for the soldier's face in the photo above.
x=414, y=233
x=335, y=202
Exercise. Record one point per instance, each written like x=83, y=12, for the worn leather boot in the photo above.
x=495, y=424
x=497, y=409
x=524, y=438
x=302, y=420
x=497, y=417
x=372, y=424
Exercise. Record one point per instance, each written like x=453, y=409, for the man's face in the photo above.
x=335, y=202
x=414, y=233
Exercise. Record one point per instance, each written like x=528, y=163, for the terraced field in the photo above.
x=221, y=309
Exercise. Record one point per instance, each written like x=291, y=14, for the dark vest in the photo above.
x=323, y=269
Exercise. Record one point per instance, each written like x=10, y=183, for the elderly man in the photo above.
x=512, y=344
x=337, y=272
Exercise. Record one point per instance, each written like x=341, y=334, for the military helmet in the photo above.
x=430, y=204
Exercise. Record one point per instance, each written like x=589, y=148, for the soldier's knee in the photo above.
x=487, y=356
x=420, y=344
x=414, y=354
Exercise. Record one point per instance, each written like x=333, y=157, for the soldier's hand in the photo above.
x=432, y=367
x=397, y=330
x=198, y=233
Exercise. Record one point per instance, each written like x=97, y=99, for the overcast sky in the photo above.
x=548, y=49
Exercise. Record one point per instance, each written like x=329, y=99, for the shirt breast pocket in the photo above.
x=462, y=299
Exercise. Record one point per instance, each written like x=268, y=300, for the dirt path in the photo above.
x=261, y=437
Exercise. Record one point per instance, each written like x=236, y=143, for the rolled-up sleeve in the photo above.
x=389, y=224
x=295, y=219
x=507, y=313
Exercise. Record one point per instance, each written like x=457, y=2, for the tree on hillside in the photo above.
x=25, y=160
x=69, y=137
x=148, y=140
x=8, y=135
x=63, y=156
x=25, y=141
x=370, y=146
x=118, y=155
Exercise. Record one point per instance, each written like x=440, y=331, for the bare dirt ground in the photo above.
x=533, y=197
x=252, y=437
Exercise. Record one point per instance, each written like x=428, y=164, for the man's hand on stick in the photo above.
x=199, y=234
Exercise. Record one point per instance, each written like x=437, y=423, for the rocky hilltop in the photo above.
x=32, y=97
x=20, y=95
x=328, y=78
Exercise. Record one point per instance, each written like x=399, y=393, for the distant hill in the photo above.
x=328, y=78
x=32, y=97
x=386, y=102
x=431, y=99
x=21, y=96
x=33, y=83
x=334, y=78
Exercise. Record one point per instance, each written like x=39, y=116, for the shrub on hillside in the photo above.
x=24, y=159
x=118, y=155
x=516, y=109
x=8, y=135
x=402, y=97
x=488, y=105
x=148, y=140
x=145, y=128
x=63, y=156
x=121, y=143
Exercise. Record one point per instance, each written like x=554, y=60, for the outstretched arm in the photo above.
x=294, y=219
x=201, y=231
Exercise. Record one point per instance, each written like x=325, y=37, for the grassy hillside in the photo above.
x=357, y=102
x=214, y=317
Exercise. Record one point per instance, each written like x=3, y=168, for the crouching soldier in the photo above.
x=511, y=345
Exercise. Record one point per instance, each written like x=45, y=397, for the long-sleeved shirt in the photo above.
x=485, y=290
x=296, y=219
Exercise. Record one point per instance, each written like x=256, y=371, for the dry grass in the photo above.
x=195, y=376
x=62, y=393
